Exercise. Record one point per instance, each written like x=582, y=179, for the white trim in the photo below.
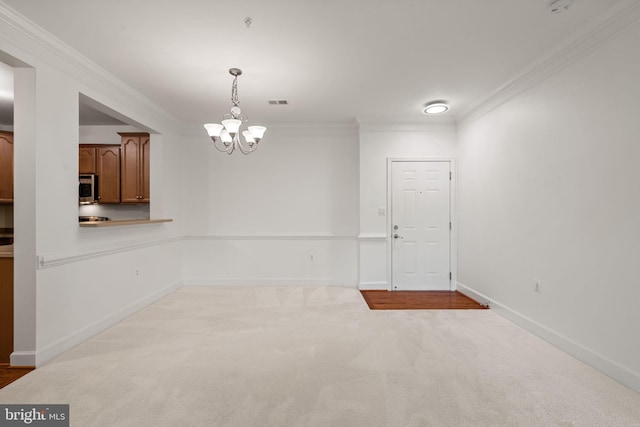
x=348, y=127
x=54, y=259
x=374, y=286
x=331, y=128
x=476, y=296
x=22, y=358
x=272, y=236
x=285, y=281
x=375, y=126
x=453, y=249
x=592, y=358
x=64, y=344
x=372, y=236
x=564, y=55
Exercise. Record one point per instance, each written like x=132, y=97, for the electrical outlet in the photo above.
x=136, y=272
x=312, y=257
x=537, y=286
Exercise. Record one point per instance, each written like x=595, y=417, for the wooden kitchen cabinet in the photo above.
x=104, y=161
x=108, y=171
x=135, y=168
x=6, y=167
x=6, y=309
x=87, y=159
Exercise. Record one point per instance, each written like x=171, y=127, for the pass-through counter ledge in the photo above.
x=119, y=222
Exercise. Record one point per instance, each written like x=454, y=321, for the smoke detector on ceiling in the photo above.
x=559, y=6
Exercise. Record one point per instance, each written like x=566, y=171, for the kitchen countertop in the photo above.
x=6, y=251
x=117, y=222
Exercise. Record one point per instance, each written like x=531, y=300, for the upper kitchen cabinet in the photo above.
x=6, y=167
x=135, y=167
x=108, y=171
x=104, y=162
x=87, y=160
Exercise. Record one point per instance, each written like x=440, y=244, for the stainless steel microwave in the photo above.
x=88, y=189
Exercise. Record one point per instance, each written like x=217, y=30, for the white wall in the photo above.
x=286, y=214
x=548, y=190
x=377, y=144
x=84, y=279
x=104, y=134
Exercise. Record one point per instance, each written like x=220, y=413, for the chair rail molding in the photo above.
x=273, y=236
x=54, y=259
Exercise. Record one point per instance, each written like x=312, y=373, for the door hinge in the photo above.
x=450, y=276
x=450, y=225
x=450, y=176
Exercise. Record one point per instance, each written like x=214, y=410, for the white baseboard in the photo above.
x=22, y=358
x=597, y=361
x=46, y=354
x=373, y=286
x=193, y=281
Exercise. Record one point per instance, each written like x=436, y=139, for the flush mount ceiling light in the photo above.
x=226, y=136
x=435, y=108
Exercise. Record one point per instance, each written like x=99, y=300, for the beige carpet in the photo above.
x=320, y=357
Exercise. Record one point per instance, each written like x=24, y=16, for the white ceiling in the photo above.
x=335, y=61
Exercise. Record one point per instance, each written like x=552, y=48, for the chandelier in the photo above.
x=226, y=136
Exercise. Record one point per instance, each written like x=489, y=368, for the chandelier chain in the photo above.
x=234, y=92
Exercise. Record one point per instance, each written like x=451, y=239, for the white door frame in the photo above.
x=452, y=203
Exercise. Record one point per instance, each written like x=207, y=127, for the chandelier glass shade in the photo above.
x=226, y=136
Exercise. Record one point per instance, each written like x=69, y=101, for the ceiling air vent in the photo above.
x=278, y=102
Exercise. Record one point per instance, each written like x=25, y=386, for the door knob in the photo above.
x=396, y=236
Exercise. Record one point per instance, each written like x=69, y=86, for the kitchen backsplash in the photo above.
x=6, y=216
x=136, y=211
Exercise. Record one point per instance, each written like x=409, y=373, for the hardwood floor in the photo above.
x=9, y=374
x=419, y=300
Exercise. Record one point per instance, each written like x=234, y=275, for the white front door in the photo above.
x=421, y=225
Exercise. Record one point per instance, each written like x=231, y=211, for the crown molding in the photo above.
x=45, y=47
x=335, y=128
x=367, y=126
x=548, y=65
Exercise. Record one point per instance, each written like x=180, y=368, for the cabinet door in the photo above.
x=6, y=167
x=144, y=169
x=135, y=168
x=108, y=170
x=87, y=160
x=130, y=171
